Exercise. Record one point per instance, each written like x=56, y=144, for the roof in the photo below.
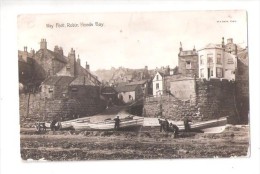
x=58, y=80
x=65, y=80
x=57, y=56
x=82, y=80
x=108, y=90
x=126, y=88
x=188, y=53
x=212, y=46
x=243, y=56
x=141, y=82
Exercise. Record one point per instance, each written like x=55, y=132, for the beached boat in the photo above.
x=109, y=124
x=211, y=126
x=68, y=124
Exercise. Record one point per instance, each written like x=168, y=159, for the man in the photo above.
x=166, y=125
x=186, y=122
x=117, y=122
x=173, y=128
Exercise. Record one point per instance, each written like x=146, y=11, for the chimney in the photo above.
x=194, y=49
x=56, y=49
x=61, y=51
x=180, y=46
x=25, y=49
x=72, y=60
x=43, y=44
x=32, y=52
x=87, y=66
x=78, y=60
x=223, y=42
x=230, y=41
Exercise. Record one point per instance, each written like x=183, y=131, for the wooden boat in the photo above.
x=68, y=124
x=109, y=124
x=211, y=126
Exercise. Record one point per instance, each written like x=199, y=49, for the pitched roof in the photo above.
x=58, y=80
x=65, y=80
x=126, y=88
x=51, y=80
x=211, y=45
x=57, y=56
x=141, y=82
x=243, y=56
x=82, y=80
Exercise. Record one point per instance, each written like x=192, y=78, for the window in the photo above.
x=202, y=73
x=157, y=86
x=157, y=77
x=219, y=72
x=201, y=60
x=210, y=59
x=219, y=59
x=50, y=89
x=188, y=65
x=230, y=61
x=74, y=89
x=211, y=72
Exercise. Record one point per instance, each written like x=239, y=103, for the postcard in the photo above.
x=133, y=85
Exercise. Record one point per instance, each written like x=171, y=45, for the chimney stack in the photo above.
x=43, y=44
x=223, y=42
x=87, y=66
x=78, y=60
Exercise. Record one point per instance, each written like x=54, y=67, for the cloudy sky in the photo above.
x=132, y=39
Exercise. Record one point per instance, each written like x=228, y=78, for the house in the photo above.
x=158, y=84
x=144, y=84
x=214, y=62
x=130, y=93
x=56, y=87
x=110, y=94
x=188, y=62
x=83, y=88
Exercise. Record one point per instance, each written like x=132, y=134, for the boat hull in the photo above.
x=109, y=125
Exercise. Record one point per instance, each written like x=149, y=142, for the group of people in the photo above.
x=169, y=127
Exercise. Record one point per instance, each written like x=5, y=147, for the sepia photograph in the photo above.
x=133, y=85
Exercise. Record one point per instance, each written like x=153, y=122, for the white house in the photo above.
x=214, y=62
x=158, y=84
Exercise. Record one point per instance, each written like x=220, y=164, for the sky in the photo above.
x=132, y=39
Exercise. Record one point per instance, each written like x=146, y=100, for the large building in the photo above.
x=214, y=62
x=35, y=67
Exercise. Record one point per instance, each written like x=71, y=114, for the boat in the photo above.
x=211, y=126
x=67, y=124
x=125, y=123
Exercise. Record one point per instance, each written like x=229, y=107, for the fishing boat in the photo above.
x=211, y=126
x=125, y=123
x=68, y=124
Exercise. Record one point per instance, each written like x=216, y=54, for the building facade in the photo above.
x=188, y=62
x=214, y=62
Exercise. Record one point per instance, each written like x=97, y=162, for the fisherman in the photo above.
x=117, y=123
x=166, y=125
x=161, y=125
x=186, y=122
x=173, y=128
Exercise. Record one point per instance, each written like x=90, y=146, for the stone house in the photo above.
x=128, y=94
x=55, y=87
x=144, y=84
x=188, y=62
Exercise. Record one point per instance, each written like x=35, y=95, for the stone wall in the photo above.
x=63, y=109
x=213, y=99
